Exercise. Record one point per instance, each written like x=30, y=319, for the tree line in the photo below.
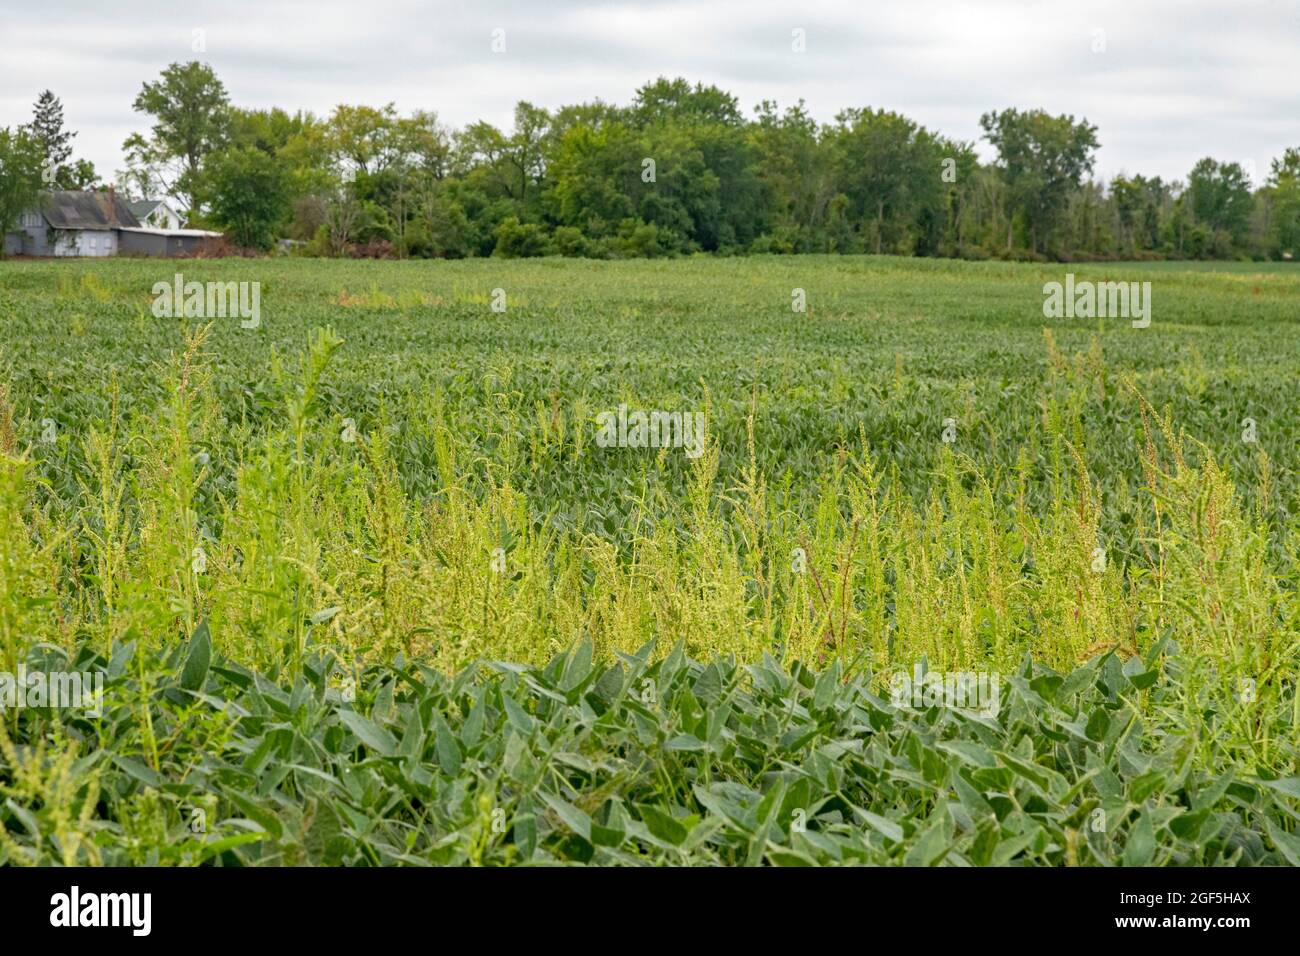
x=680, y=169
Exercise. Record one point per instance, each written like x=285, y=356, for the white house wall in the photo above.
x=86, y=243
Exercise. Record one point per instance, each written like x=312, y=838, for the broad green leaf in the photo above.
x=369, y=733
x=198, y=658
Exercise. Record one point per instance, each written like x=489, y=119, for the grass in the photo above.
x=389, y=470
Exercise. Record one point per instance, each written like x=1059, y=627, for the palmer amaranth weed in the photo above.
x=919, y=573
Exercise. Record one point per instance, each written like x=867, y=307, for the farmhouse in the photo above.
x=157, y=213
x=98, y=224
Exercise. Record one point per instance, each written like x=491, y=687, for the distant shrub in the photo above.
x=641, y=239
x=569, y=241
x=416, y=243
x=319, y=244
x=520, y=240
x=768, y=243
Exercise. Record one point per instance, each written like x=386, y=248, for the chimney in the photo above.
x=112, y=205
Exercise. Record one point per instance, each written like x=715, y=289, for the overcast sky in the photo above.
x=1175, y=80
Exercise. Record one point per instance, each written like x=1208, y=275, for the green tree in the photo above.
x=683, y=200
x=706, y=192
x=423, y=144
x=1156, y=200
x=1220, y=198
x=1284, y=189
x=516, y=240
x=21, y=159
x=191, y=119
x=594, y=176
x=512, y=165
x=248, y=194
x=950, y=198
x=363, y=137
x=55, y=142
x=675, y=100
x=79, y=174
x=444, y=222
x=269, y=130
x=890, y=169
x=1126, y=194
x=47, y=129
x=1042, y=159
x=796, y=176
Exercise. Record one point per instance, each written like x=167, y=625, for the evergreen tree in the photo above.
x=55, y=143
x=47, y=129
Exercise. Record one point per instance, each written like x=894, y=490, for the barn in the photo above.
x=98, y=224
x=71, y=223
x=164, y=242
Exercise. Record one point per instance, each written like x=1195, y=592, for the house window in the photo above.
x=94, y=243
x=31, y=219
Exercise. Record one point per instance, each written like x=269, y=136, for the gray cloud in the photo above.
x=1177, y=80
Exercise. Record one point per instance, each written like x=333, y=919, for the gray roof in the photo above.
x=72, y=209
x=142, y=207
